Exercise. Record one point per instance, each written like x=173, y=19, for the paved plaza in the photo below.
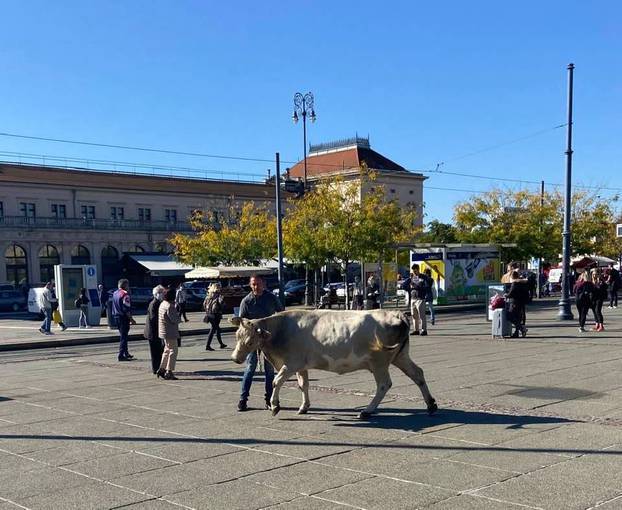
x=524, y=423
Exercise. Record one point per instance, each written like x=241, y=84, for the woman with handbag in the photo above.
x=168, y=330
x=213, y=306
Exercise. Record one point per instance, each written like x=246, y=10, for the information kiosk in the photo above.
x=69, y=280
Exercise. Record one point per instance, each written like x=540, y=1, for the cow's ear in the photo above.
x=236, y=321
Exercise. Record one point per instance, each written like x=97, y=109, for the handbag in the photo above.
x=56, y=317
x=209, y=316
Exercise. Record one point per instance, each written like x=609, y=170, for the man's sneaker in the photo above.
x=610, y=307
x=242, y=406
x=129, y=356
x=414, y=333
x=581, y=330
x=42, y=331
x=424, y=333
x=48, y=333
x=123, y=358
x=63, y=328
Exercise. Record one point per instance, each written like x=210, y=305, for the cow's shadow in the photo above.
x=419, y=420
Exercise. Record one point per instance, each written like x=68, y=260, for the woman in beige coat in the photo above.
x=168, y=330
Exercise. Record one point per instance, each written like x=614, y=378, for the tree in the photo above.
x=438, y=232
x=534, y=223
x=245, y=235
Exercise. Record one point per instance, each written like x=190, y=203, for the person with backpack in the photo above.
x=419, y=289
x=601, y=292
x=518, y=297
x=583, y=290
x=82, y=303
x=213, y=306
x=430, y=295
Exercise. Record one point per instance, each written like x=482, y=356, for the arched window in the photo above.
x=48, y=258
x=16, y=265
x=110, y=266
x=80, y=255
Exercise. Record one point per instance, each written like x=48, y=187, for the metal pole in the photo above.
x=565, y=313
x=304, y=138
x=538, y=286
x=279, y=233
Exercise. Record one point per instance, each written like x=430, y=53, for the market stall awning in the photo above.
x=591, y=260
x=160, y=265
x=227, y=272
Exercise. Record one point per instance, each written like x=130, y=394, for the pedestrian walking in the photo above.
x=601, y=293
x=122, y=311
x=419, y=288
x=151, y=333
x=373, y=291
x=213, y=306
x=583, y=290
x=430, y=295
x=256, y=305
x=518, y=297
x=46, y=298
x=357, y=294
x=103, y=297
x=57, y=318
x=613, y=283
x=180, y=301
x=168, y=330
x=82, y=304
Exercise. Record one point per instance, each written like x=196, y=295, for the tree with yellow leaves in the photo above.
x=245, y=235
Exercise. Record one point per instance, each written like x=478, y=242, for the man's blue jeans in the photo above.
x=124, y=330
x=46, y=325
x=249, y=372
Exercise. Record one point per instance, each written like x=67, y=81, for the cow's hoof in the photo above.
x=303, y=410
x=276, y=409
x=363, y=415
x=432, y=407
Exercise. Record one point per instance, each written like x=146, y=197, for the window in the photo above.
x=16, y=265
x=27, y=209
x=1, y=209
x=80, y=255
x=48, y=258
x=87, y=212
x=59, y=210
x=411, y=192
x=116, y=213
x=392, y=190
x=170, y=215
x=144, y=213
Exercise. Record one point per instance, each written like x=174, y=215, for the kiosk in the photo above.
x=69, y=280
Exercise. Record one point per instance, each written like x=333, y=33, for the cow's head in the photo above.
x=249, y=337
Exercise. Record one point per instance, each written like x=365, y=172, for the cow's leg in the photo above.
x=284, y=374
x=383, y=384
x=303, y=384
x=408, y=366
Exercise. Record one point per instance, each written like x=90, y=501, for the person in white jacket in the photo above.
x=46, y=298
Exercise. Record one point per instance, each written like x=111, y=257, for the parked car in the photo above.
x=12, y=300
x=293, y=293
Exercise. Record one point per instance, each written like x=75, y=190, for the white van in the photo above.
x=34, y=296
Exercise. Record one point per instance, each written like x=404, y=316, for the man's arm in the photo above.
x=244, y=309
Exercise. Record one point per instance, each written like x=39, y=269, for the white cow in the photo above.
x=337, y=341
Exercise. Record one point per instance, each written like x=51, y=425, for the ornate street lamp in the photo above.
x=303, y=105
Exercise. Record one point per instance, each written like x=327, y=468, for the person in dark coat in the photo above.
x=601, y=293
x=156, y=346
x=613, y=280
x=518, y=297
x=584, y=292
x=213, y=306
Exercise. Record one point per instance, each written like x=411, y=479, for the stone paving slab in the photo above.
x=532, y=423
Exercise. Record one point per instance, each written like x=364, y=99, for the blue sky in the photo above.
x=428, y=81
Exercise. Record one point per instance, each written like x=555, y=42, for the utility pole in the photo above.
x=565, y=312
x=279, y=232
x=538, y=283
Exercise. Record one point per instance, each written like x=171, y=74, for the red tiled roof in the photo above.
x=346, y=159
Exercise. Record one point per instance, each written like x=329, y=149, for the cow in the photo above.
x=337, y=341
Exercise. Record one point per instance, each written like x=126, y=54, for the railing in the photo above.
x=92, y=224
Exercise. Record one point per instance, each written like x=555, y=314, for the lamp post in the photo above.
x=303, y=105
x=565, y=312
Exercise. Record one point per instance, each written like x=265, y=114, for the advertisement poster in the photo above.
x=460, y=275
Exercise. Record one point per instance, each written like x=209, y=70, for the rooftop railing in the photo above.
x=92, y=224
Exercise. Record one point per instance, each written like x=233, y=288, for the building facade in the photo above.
x=345, y=158
x=52, y=215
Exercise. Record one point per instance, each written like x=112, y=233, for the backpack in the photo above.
x=77, y=302
x=584, y=292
